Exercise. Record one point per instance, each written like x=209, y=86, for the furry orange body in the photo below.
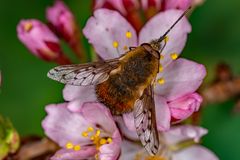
x=126, y=84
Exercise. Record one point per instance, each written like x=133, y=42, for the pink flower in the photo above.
x=177, y=79
x=179, y=143
x=63, y=22
x=82, y=135
x=132, y=9
x=40, y=40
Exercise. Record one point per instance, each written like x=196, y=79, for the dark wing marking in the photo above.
x=145, y=121
x=84, y=74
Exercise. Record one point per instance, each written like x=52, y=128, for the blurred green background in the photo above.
x=26, y=89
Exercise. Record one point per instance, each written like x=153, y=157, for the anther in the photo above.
x=84, y=134
x=28, y=26
x=128, y=34
x=90, y=129
x=69, y=145
x=174, y=56
x=77, y=148
x=160, y=68
x=115, y=44
x=161, y=81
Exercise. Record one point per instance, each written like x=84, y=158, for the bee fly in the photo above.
x=124, y=84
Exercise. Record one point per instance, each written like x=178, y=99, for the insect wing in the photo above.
x=84, y=74
x=145, y=121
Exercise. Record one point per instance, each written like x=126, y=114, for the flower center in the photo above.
x=154, y=158
x=95, y=137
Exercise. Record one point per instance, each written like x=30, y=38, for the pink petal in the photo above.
x=63, y=126
x=195, y=152
x=112, y=150
x=158, y=25
x=129, y=121
x=184, y=132
x=177, y=4
x=83, y=153
x=130, y=150
x=132, y=135
x=163, y=116
x=181, y=77
x=184, y=107
x=107, y=27
x=82, y=93
x=100, y=116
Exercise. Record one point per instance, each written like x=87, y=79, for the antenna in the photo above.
x=164, y=35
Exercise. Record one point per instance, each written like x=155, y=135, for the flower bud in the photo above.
x=40, y=40
x=63, y=22
x=184, y=107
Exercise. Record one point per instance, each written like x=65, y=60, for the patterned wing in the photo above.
x=145, y=121
x=84, y=74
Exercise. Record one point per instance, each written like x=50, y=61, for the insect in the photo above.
x=124, y=84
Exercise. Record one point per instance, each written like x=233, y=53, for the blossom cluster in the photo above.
x=83, y=127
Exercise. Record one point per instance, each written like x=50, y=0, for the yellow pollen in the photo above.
x=161, y=57
x=103, y=141
x=161, y=81
x=28, y=26
x=160, y=68
x=92, y=138
x=115, y=44
x=96, y=156
x=69, y=145
x=98, y=133
x=77, y=148
x=128, y=34
x=125, y=48
x=174, y=56
x=109, y=140
x=166, y=39
x=84, y=134
x=90, y=129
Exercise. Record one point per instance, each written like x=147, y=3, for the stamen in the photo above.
x=28, y=26
x=174, y=56
x=115, y=44
x=109, y=140
x=125, y=48
x=77, y=148
x=166, y=39
x=69, y=145
x=103, y=141
x=128, y=34
x=160, y=68
x=85, y=134
x=90, y=129
x=98, y=132
x=161, y=57
x=161, y=81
